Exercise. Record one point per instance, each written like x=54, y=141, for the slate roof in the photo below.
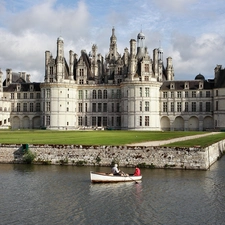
x=193, y=84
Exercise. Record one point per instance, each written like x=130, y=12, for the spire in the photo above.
x=113, y=37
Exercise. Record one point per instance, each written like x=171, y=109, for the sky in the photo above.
x=192, y=32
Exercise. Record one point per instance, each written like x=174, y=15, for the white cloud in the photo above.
x=190, y=31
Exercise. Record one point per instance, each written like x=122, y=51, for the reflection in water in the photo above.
x=32, y=194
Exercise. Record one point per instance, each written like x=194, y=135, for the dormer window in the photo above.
x=172, y=86
x=200, y=85
x=186, y=85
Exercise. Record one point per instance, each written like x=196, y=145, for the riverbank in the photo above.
x=126, y=156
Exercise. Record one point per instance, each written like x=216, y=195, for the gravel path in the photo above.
x=158, y=143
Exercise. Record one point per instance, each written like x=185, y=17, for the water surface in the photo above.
x=43, y=194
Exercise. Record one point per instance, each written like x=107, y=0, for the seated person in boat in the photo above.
x=137, y=171
x=115, y=170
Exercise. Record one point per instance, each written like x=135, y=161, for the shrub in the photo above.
x=29, y=156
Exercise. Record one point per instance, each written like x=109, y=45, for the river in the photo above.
x=47, y=194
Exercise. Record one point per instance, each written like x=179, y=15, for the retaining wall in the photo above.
x=158, y=157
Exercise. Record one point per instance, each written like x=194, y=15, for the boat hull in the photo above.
x=109, y=178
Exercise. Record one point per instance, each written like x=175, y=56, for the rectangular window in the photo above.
x=86, y=108
x=172, y=94
x=38, y=107
x=12, y=107
x=186, y=94
x=105, y=94
x=93, y=107
x=207, y=94
x=217, y=105
x=146, y=106
x=51, y=70
x=217, y=92
x=200, y=106
x=25, y=95
x=31, y=107
x=200, y=94
x=118, y=93
x=47, y=93
x=172, y=106
x=94, y=94
x=140, y=120
x=104, y=107
x=81, y=72
x=164, y=94
x=80, y=106
x=164, y=106
x=93, y=121
x=146, y=78
x=31, y=95
x=112, y=107
x=118, y=121
x=140, y=106
x=18, y=107
x=80, y=94
x=117, y=107
x=146, y=120
x=179, y=107
x=79, y=120
x=112, y=121
x=18, y=95
x=113, y=94
x=146, y=92
x=193, y=94
x=99, y=107
x=179, y=94
x=207, y=106
x=104, y=121
x=47, y=120
x=99, y=94
x=186, y=106
x=140, y=91
x=25, y=107
x=48, y=106
x=12, y=95
x=86, y=94
x=193, y=106
x=38, y=95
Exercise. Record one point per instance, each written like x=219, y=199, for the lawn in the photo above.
x=203, y=141
x=92, y=137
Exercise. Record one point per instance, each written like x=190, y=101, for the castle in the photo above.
x=132, y=91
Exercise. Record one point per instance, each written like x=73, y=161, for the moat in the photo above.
x=43, y=194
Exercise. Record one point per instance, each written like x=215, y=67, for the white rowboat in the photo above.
x=108, y=178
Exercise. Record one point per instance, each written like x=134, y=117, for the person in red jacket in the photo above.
x=137, y=171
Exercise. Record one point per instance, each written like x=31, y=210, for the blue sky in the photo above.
x=190, y=31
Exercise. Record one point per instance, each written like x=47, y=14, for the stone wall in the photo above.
x=157, y=157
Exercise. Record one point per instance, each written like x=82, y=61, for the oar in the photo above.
x=130, y=177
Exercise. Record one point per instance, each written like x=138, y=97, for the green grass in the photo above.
x=87, y=137
x=202, y=142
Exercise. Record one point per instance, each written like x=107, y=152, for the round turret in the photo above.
x=60, y=39
x=140, y=36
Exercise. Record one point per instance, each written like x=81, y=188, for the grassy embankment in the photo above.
x=202, y=142
x=102, y=137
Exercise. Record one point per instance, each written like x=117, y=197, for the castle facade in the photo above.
x=129, y=91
